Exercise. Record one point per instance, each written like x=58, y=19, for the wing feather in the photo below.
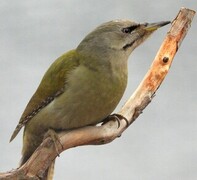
x=52, y=85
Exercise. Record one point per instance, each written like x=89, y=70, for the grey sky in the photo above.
x=161, y=144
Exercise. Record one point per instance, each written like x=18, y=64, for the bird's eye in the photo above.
x=129, y=29
x=126, y=30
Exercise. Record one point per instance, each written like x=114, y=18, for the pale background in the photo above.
x=160, y=145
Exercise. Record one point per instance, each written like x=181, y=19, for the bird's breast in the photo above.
x=94, y=94
x=90, y=96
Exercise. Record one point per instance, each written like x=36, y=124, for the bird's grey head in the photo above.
x=117, y=37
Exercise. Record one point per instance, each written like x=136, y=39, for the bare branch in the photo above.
x=96, y=135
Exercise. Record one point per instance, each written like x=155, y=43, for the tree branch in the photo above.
x=35, y=167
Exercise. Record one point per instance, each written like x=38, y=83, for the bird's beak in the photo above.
x=155, y=26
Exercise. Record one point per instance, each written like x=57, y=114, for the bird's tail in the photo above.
x=48, y=175
x=49, y=172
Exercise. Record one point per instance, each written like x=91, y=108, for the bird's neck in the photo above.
x=112, y=65
x=103, y=59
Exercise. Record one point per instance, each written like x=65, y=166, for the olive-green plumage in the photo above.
x=84, y=85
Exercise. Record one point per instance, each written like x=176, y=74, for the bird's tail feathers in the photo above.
x=50, y=172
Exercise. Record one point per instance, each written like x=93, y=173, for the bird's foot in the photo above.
x=115, y=117
x=55, y=138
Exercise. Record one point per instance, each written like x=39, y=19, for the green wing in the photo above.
x=52, y=85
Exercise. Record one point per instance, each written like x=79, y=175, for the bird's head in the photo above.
x=118, y=36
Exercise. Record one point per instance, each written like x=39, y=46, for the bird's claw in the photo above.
x=117, y=118
x=55, y=138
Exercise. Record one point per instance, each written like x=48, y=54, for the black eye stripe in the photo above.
x=130, y=29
